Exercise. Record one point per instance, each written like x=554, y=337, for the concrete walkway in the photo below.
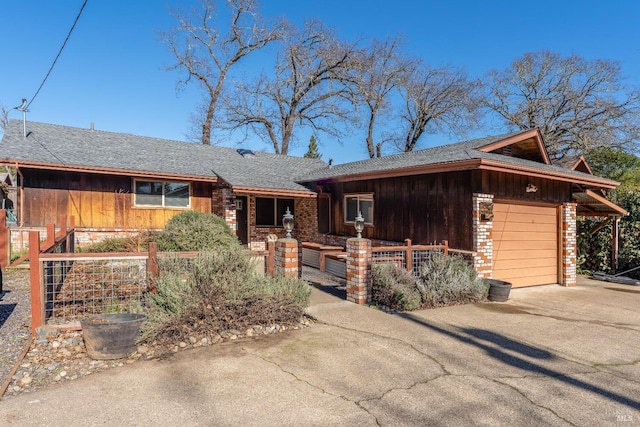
x=548, y=356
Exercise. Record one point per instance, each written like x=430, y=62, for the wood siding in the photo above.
x=435, y=207
x=424, y=208
x=514, y=187
x=96, y=201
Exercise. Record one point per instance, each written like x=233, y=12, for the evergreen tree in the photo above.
x=312, y=152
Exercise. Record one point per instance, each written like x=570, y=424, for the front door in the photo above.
x=241, y=219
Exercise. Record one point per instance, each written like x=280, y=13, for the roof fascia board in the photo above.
x=415, y=170
x=622, y=211
x=474, y=164
x=532, y=133
x=529, y=171
x=582, y=160
x=127, y=172
x=272, y=192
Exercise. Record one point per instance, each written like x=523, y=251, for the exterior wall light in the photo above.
x=359, y=224
x=287, y=222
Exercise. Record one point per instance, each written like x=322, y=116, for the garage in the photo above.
x=525, y=244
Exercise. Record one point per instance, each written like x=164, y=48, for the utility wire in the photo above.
x=59, y=52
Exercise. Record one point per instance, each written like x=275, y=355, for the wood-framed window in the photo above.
x=270, y=210
x=362, y=203
x=162, y=194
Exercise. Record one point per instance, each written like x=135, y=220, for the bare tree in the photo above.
x=577, y=104
x=207, y=54
x=4, y=119
x=306, y=89
x=380, y=71
x=437, y=100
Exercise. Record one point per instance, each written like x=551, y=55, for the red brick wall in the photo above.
x=569, y=244
x=482, y=238
x=359, y=271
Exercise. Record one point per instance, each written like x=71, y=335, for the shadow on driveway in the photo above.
x=479, y=338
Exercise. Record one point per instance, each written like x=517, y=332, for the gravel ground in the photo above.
x=55, y=356
x=15, y=319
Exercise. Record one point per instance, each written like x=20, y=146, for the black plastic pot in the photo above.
x=111, y=336
x=498, y=290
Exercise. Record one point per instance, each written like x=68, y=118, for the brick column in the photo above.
x=4, y=240
x=359, y=270
x=569, y=244
x=224, y=205
x=287, y=257
x=483, y=235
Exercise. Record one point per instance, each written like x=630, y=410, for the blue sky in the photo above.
x=110, y=72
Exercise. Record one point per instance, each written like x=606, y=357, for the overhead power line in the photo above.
x=59, y=52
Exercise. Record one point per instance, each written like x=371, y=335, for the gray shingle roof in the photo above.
x=452, y=153
x=69, y=146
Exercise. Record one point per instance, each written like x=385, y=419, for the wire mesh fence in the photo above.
x=76, y=288
x=397, y=258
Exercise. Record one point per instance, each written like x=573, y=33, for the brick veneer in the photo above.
x=569, y=244
x=224, y=205
x=359, y=271
x=482, y=238
x=287, y=258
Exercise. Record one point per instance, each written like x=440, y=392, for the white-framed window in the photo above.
x=270, y=210
x=362, y=203
x=162, y=194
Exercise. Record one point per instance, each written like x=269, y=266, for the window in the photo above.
x=269, y=211
x=161, y=193
x=354, y=203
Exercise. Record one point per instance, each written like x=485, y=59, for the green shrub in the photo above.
x=17, y=254
x=196, y=231
x=217, y=291
x=394, y=287
x=448, y=280
x=119, y=244
x=138, y=242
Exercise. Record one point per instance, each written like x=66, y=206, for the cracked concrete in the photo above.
x=549, y=356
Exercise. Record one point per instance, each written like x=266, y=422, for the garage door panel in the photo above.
x=525, y=244
x=509, y=245
x=520, y=226
x=515, y=236
x=523, y=263
x=505, y=207
x=526, y=218
x=532, y=281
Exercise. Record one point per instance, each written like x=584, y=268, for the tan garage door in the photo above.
x=525, y=244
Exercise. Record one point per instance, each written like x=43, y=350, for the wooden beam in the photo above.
x=614, y=244
x=35, y=279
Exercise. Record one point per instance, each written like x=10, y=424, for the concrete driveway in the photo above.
x=548, y=356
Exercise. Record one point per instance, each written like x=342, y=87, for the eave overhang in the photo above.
x=110, y=171
x=482, y=164
x=591, y=203
x=533, y=133
x=277, y=192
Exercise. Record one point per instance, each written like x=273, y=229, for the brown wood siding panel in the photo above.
x=513, y=187
x=424, y=208
x=525, y=244
x=96, y=200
